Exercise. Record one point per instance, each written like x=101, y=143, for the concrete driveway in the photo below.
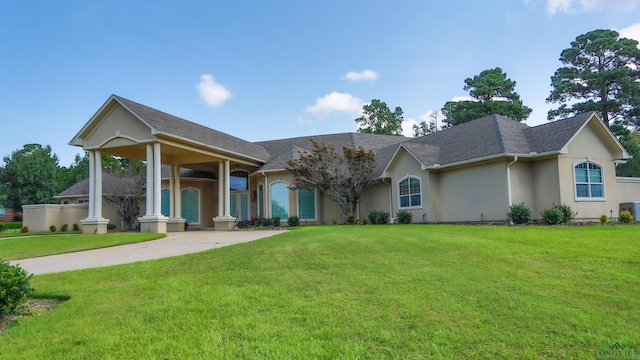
x=173, y=245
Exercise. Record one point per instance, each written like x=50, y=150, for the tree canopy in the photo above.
x=377, y=118
x=29, y=176
x=492, y=93
x=342, y=177
x=424, y=127
x=602, y=74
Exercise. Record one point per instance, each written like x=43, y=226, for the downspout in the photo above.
x=390, y=200
x=510, y=198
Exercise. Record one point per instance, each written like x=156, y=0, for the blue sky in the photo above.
x=264, y=69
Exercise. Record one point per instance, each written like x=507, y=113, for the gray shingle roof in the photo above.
x=81, y=188
x=493, y=135
x=173, y=125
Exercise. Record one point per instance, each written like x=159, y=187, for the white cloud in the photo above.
x=407, y=127
x=631, y=32
x=340, y=102
x=360, y=76
x=461, y=98
x=211, y=92
x=577, y=6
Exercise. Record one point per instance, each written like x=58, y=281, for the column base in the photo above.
x=176, y=225
x=94, y=225
x=224, y=223
x=153, y=224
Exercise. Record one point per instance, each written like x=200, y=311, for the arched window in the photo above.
x=239, y=180
x=191, y=205
x=307, y=204
x=280, y=200
x=589, y=180
x=409, y=192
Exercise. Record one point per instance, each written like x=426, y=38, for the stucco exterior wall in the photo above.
x=522, y=189
x=475, y=193
x=41, y=216
x=120, y=121
x=546, y=185
x=587, y=145
x=375, y=197
x=402, y=167
x=628, y=189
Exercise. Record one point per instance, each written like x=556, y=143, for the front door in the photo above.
x=239, y=204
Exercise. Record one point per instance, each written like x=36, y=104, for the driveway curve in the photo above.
x=174, y=244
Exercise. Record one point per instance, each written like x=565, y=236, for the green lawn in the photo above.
x=23, y=247
x=354, y=292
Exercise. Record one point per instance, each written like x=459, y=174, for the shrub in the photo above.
x=76, y=227
x=14, y=287
x=111, y=227
x=52, y=228
x=293, y=221
x=519, y=214
x=276, y=220
x=334, y=221
x=552, y=216
x=404, y=217
x=625, y=217
x=256, y=221
x=379, y=217
x=604, y=219
x=351, y=219
x=267, y=222
x=365, y=221
x=243, y=224
x=64, y=228
x=567, y=213
x=24, y=229
x=3, y=227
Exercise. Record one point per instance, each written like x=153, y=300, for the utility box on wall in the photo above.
x=633, y=208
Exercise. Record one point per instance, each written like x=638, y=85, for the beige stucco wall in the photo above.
x=522, y=189
x=588, y=145
x=404, y=165
x=474, y=193
x=628, y=189
x=546, y=185
x=41, y=216
x=375, y=197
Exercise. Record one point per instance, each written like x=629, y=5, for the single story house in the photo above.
x=467, y=173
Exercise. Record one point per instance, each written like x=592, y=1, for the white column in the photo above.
x=97, y=207
x=227, y=190
x=172, y=203
x=220, y=188
x=157, y=178
x=92, y=184
x=149, y=201
x=177, y=192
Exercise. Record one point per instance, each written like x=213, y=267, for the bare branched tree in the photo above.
x=124, y=192
x=342, y=177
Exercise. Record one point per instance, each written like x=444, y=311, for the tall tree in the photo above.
x=342, y=177
x=29, y=175
x=125, y=191
x=602, y=74
x=492, y=93
x=425, y=127
x=377, y=118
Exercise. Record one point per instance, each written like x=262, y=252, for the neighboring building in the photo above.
x=467, y=173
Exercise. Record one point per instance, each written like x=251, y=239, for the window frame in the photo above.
x=409, y=195
x=288, y=207
x=199, y=197
x=589, y=183
x=315, y=205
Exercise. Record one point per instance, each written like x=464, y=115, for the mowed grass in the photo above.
x=354, y=292
x=24, y=247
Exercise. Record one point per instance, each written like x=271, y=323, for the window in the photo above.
x=409, y=190
x=261, y=200
x=280, y=200
x=239, y=180
x=306, y=204
x=191, y=205
x=589, y=181
x=165, y=202
x=64, y=202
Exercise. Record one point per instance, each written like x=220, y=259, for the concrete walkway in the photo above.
x=173, y=245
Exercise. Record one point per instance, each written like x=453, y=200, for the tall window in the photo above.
x=191, y=205
x=280, y=200
x=239, y=180
x=410, y=192
x=307, y=204
x=589, y=180
x=261, y=200
x=165, y=202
